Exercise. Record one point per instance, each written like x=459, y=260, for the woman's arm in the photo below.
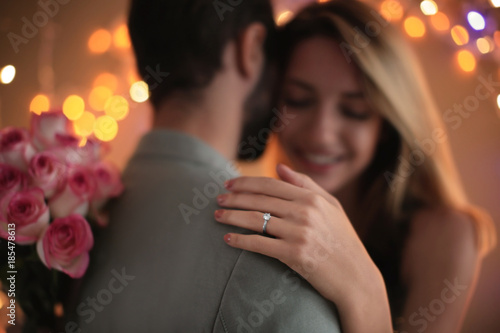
x=441, y=264
x=313, y=236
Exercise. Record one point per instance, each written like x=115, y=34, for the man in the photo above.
x=162, y=265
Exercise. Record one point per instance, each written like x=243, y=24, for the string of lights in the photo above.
x=470, y=29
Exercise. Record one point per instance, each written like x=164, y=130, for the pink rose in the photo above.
x=27, y=210
x=75, y=196
x=15, y=147
x=65, y=245
x=50, y=129
x=47, y=172
x=109, y=185
x=11, y=179
x=71, y=153
x=108, y=180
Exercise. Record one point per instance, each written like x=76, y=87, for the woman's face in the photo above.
x=335, y=132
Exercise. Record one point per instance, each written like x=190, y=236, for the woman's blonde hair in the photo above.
x=420, y=167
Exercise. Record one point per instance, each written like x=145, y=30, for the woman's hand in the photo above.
x=313, y=236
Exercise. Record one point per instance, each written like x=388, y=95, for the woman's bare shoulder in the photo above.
x=441, y=241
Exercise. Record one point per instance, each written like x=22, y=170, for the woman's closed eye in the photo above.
x=298, y=103
x=351, y=113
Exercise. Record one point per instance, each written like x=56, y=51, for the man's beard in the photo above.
x=257, y=117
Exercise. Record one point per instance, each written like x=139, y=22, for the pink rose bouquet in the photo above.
x=53, y=190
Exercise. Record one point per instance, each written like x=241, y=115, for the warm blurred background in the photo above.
x=76, y=55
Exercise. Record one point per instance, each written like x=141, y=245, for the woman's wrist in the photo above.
x=363, y=305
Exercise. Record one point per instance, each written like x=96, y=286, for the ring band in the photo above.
x=267, y=217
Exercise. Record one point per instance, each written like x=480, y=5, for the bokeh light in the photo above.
x=460, y=35
x=428, y=7
x=476, y=20
x=84, y=126
x=496, y=38
x=466, y=60
x=139, y=91
x=107, y=80
x=117, y=107
x=414, y=27
x=391, y=10
x=7, y=74
x=73, y=107
x=98, y=97
x=58, y=310
x=82, y=142
x=485, y=44
x=284, y=17
x=105, y=128
x=440, y=21
x=99, y=41
x=121, y=37
x=495, y=3
x=40, y=103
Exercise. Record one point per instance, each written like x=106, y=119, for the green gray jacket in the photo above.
x=162, y=264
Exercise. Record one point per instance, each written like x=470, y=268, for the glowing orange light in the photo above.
x=73, y=107
x=391, y=10
x=496, y=37
x=84, y=126
x=485, y=44
x=105, y=128
x=58, y=310
x=82, y=142
x=107, y=80
x=98, y=97
x=466, y=61
x=440, y=21
x=99, y=41
x=459, y=35
x=121, y=38
x=40, y=103
x=414, y=27
x=117, y=107
x=284, y=17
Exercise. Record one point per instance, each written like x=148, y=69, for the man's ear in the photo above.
x=250, y=50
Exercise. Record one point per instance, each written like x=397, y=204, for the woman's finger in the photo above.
x=275, y=248
x=254, y=221
x=265, y=185
x=262, y=203
x=300, y=180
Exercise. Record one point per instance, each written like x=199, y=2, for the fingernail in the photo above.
x=228, y=184
x=218, y=213
x=221, y=198
x=227, y=238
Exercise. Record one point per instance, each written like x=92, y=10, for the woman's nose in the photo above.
x=324, y=126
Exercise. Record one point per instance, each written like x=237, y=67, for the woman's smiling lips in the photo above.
x=319, y=162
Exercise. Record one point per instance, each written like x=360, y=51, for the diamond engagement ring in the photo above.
x=267, y=217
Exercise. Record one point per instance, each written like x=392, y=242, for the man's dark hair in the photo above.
x=186, y=38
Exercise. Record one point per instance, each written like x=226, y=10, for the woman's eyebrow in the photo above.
x=300, y=83
x=354, y=94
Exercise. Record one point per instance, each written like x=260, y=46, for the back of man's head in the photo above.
x=186, y=38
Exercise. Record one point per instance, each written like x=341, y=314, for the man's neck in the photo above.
x=216, y=121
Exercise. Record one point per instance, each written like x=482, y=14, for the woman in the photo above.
x=379, y=219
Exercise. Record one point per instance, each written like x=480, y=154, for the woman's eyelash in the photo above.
x=298, y=102
x=354, y=114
